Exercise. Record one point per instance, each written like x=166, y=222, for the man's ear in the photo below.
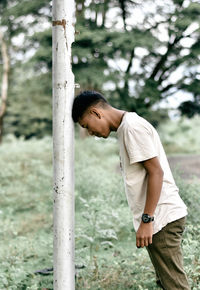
x=95, y=112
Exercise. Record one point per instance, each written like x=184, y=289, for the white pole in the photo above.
x=63, y=147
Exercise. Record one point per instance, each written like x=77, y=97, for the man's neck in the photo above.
x=115, y=118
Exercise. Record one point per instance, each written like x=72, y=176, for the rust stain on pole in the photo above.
x=60, y=22
x=63, y=24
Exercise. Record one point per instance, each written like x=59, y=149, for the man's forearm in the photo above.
x=154, y=186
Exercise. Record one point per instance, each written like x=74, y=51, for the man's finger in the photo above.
x=142, y=243
x=150, y=240
x=146, y=242
x=138, y=242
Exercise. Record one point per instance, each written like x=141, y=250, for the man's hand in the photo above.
x=144, y=235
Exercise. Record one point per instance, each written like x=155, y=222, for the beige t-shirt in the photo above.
x=139, y=141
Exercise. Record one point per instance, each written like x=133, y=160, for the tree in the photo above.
x=23, y=115
x=116, y=52
x=103, y=49
x=4, y=85
x=63, y=137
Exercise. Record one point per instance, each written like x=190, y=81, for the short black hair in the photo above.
x=85, y=100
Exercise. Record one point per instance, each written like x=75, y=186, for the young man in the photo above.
x=158, y=211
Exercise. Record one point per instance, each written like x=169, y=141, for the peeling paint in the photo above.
x=59, y=86
x=60, y=22
x=56, y=189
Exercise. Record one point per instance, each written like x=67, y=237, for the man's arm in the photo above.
x=154, y=186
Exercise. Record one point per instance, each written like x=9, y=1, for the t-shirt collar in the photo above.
x=120, y=125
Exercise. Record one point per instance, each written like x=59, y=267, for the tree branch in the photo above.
x=164, y=57
x=130, y=61
x=123, y=8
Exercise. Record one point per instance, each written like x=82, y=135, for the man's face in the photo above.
x=95, y=123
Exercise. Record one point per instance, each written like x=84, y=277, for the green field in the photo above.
x=105, y=240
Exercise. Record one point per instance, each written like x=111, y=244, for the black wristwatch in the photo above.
x=147, y=218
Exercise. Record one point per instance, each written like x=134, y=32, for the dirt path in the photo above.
x=188, y=165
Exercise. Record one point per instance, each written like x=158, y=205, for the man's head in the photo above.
x=90, y=111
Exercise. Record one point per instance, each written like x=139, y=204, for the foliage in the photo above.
x=137, y=79
x=189, y=108
x=106, y=256
x=26, y=213
x=181, y=136
x=21, y=22
x=24, y=116
x=116, y=52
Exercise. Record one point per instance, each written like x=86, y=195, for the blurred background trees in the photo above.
x=29, y=91
x=139, y=54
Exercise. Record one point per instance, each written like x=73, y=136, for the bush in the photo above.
x=181, y=136
x=106, y=255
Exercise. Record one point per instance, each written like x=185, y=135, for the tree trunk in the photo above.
x=63, y=145
x=4, y=85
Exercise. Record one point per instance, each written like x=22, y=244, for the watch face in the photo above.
x=145, y=218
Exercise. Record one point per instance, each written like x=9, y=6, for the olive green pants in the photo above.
x=166, y=256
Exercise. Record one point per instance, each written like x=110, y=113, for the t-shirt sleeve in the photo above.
x=139, y=143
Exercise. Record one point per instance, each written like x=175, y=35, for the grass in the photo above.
x=181, y=136
x=105, y=240
x=26, y=213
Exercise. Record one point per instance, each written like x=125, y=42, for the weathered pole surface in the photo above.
x=63, y=148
